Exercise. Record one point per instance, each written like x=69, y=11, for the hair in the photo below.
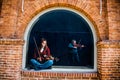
x=73, y=40
x=43, y=39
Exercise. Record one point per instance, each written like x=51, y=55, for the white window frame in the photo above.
x=36, y=18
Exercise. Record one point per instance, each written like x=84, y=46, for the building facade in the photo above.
x=17, y=16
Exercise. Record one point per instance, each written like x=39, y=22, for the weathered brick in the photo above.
x=13, y=23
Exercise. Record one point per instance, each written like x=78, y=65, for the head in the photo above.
x=43, y=42
x=73, y=41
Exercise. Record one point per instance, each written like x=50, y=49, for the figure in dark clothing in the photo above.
x=73, y=52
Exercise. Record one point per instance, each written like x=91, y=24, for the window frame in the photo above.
x=35, y=19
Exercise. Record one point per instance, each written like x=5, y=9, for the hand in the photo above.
x=45, y=55
x=57, y=59
x=82, y=46
x=52, y=58
x=39, y=59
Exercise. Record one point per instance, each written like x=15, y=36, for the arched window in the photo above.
x=59, y=27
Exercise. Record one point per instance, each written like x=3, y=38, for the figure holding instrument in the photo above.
x=42, y=58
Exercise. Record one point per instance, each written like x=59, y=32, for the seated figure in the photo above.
x=42, y=58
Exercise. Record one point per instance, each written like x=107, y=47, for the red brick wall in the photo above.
x=10, y=59
x=26, y=75
x=8, y=18
x=12, y=11
x=114, y=19
x=13, y=23
x=109, y=60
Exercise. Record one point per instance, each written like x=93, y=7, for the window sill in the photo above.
x=64, y=69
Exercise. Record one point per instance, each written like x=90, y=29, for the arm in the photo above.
x=48, y=55
x=78, y=45
x=36, y=56
x=71, y=46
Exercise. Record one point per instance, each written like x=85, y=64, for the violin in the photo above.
x=78, y=45
x=51, y=58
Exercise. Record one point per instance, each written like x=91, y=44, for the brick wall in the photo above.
x=109, y=60
x=114, y=19
x=10, y=59
x=20, y=20
x=8, y=19
x=13, y=23
x=26, y=75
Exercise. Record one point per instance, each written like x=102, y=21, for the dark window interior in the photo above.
x=1, y=6
x=59, y=27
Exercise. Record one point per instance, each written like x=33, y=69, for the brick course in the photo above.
x=109, y=60
x=10, y=59
x=58, y=76
x=114, y=19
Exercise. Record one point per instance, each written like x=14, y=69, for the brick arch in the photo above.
x=80, y=8
x=74, y=7
x=71, y=8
